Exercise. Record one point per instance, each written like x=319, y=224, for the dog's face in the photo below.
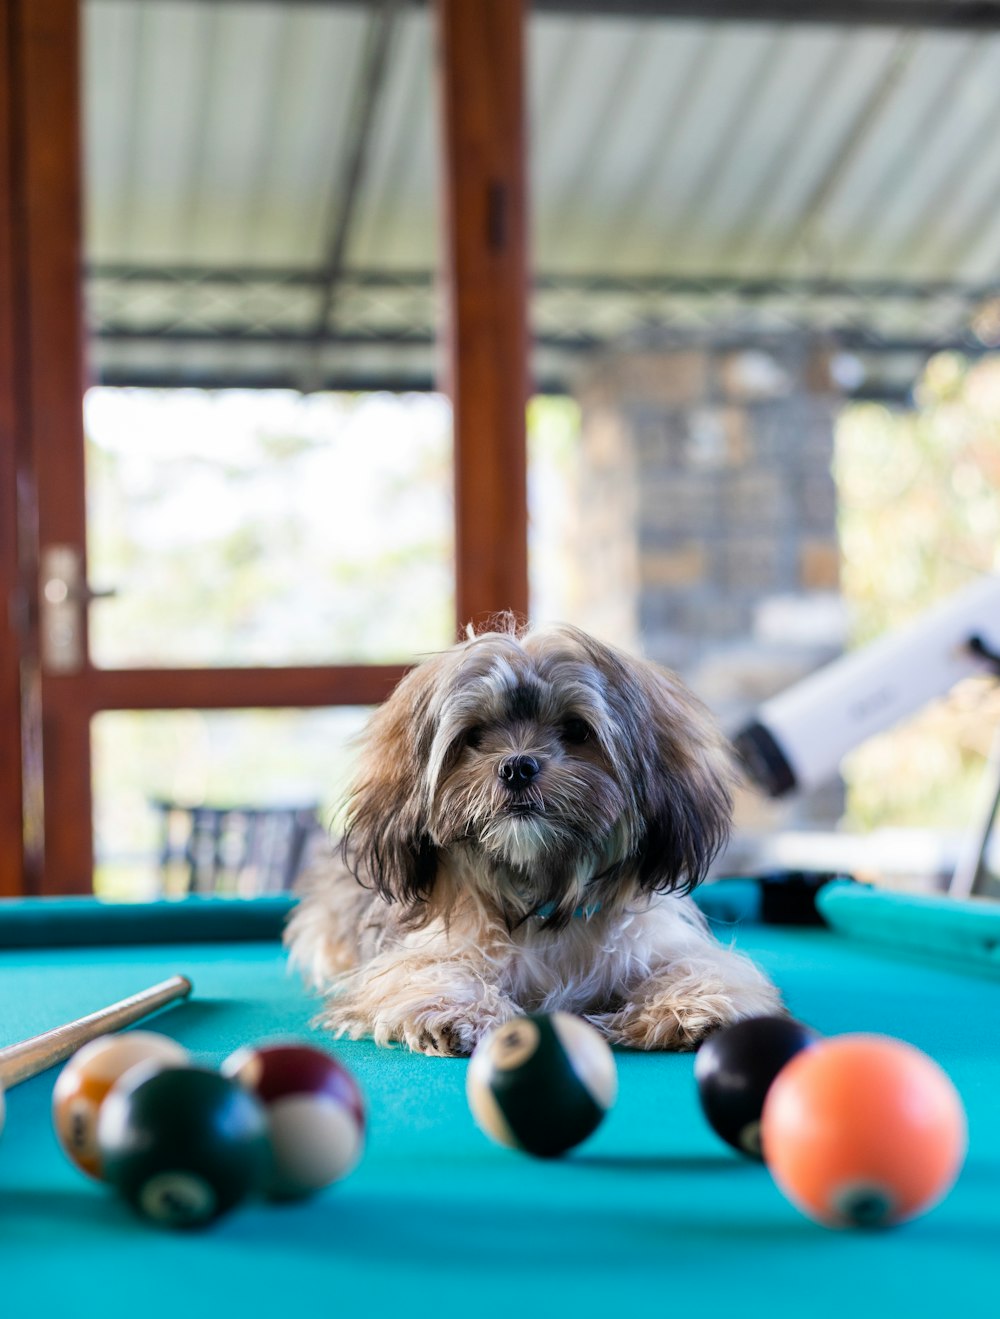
x=552, y=770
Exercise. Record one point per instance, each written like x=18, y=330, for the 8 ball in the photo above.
x=734, y=1070
x=182, y=1144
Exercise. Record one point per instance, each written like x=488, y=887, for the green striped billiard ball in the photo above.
x=541, y=1083
x=183, y=1145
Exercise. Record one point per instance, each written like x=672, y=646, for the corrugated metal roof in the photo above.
x=702, y=176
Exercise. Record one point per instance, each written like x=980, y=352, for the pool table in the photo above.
x=653, y=1215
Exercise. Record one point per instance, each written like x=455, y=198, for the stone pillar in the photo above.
x=708, y=520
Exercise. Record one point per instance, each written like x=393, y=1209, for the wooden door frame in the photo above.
x=42, y=381
x=47, y=201
x=13, y=635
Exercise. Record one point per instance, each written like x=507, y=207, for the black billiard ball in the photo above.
x=541, y=1083
x=183, y=1145
x=315, y=1113
x=734, y=1069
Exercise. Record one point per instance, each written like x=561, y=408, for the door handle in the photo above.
x=65, y=595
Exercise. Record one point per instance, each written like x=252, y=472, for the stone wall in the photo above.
x=708, y=519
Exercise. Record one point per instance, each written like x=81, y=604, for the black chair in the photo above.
x=239, y=850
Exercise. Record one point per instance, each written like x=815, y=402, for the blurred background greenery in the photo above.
x=919, y=498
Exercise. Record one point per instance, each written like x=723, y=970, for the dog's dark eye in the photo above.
x=575, y=731
x=474, y=738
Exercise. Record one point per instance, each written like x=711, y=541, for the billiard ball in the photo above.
x=734, y=1069
x=863, y=1131
x=85, y=1081
x=315, y=1114
x=182, y=1145
x=541, y=1083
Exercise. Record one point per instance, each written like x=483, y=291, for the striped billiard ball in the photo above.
x=541, y=1083
x=86, y=1080
x=183, y=1145
x=315, y=1114
x=735, y=1068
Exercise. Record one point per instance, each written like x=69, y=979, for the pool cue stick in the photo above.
x=19, y=1062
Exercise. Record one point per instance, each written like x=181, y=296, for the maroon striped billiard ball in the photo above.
x=315, y=1113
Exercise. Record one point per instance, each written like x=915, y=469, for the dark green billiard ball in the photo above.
x=542, y=1083
x=734, y=1069
x=183, y=1145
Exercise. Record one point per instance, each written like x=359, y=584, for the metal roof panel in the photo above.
x=218, y=138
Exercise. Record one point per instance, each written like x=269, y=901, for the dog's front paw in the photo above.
x=434, y=1033
x=673, y=1017
x=447, y=1035
x=655, y=1026
x=452, y=1039
x=437, y=1008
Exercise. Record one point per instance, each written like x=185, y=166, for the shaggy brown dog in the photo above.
x=530, y=813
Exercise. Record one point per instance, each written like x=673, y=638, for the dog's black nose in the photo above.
x=518, y=771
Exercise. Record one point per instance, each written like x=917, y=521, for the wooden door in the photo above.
x=49, y=688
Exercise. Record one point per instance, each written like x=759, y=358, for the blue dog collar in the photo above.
x=584, y=912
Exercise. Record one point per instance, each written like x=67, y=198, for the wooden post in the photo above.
x=12, y=879
x=46, y=48
x=482, y=113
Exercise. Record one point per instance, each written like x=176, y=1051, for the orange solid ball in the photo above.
x=87, y=1080
x=863, y=1131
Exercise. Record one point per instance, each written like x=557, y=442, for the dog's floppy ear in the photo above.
x=386, y=842
x=686, y=780
x=675, y=768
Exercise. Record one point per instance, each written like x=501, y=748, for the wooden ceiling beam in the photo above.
x=952, y=15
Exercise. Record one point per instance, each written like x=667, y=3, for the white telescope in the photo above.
x=799, y=737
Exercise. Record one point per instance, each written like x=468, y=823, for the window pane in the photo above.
x=265, y=528
x=240, y=758
x=553, y=463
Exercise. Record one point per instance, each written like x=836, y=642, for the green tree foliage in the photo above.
x=920, y=518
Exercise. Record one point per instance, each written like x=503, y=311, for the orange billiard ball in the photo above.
x=87, y=1079
x=863, y=1131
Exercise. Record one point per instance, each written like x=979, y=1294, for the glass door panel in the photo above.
x=267, y=528
x=234, y=760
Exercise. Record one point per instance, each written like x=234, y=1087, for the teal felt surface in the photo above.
x=653, y=1216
